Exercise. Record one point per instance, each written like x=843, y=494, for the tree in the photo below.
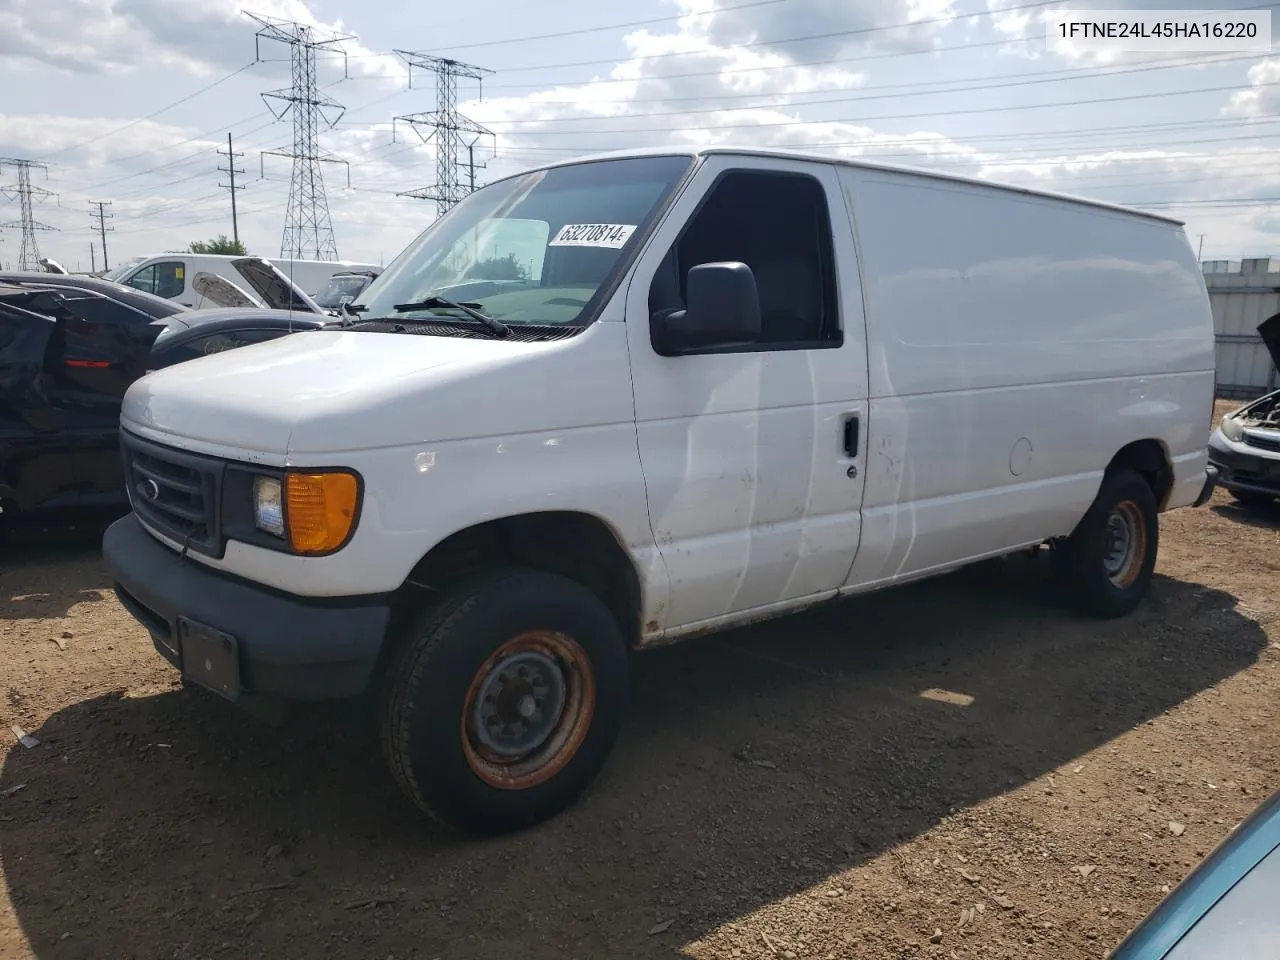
x=221, y=246
x=499, y=268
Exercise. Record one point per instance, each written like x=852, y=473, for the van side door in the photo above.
x=753, y=453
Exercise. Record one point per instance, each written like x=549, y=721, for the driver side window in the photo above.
x=778, y=225
x=161, y=279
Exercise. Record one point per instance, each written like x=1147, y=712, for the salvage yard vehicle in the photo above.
x=1245, y=448
x=70, y=346
x=215, y=331
x=170, y=275
x=613, y=403
x=344, y=288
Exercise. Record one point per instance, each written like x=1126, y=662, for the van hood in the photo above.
x=277, y=291
x=221, y=291
x=338, y=390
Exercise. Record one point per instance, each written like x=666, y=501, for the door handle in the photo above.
x=851, y=436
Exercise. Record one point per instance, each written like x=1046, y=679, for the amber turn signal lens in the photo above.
x=321, y=508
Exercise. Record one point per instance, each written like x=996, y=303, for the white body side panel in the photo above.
x=748, y=485
x=1016, y=343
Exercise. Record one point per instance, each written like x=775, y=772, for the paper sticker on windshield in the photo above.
x=611, y=235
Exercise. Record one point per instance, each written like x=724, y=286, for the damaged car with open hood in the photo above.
x=1246, y=446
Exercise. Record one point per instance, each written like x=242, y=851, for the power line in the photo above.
x=101, y=216
x=925, y=88
x=231, y=171
x=447, y=127
x=863, y=120
x=859, y=31
x=794, y=64
x=155, y=113
x=25, y=193
x=308, y=229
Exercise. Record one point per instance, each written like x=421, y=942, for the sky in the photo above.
x=128, y=101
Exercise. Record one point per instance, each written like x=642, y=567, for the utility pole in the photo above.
x=25, y=193
x=308, y=230
x=93, y=258
x=447, y=127
x=231, y=171
x=1200, y=249
x=101, y=216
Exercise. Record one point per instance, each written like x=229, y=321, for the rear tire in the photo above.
x=1105, y=566
x=504, y=701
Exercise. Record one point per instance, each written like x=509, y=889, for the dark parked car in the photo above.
x=213, y=331
x=155, y=307
x=70, y=346
x=67, y=356
x=1246, y=446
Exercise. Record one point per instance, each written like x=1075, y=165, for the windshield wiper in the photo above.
x=495, y=325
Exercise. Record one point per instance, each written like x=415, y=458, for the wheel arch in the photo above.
x=1150, y=459
x=577, y=545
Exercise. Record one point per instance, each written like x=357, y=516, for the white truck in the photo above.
x=617, y=402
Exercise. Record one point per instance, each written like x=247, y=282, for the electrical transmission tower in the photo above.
x=25, y=193
x=308, y=231
x=448, y=128
x=100, y=218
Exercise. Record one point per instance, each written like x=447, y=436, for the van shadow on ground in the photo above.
x=170, y=826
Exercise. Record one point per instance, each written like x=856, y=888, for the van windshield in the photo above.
x=535, y=248
x=122, y=269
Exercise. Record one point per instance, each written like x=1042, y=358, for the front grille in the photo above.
x=1262, y=442
x=175, y=492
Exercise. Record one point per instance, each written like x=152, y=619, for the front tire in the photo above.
x=1106, y=565
x=505, y=701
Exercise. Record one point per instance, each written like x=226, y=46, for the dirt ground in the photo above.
x=954, y=769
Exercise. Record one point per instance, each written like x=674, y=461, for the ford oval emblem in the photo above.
x=149, y=490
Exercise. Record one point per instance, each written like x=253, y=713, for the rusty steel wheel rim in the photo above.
x=528, y=709
x=1126, y=544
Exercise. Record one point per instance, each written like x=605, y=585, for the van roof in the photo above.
x=814, y=156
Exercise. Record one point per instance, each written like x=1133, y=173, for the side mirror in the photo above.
x=722, y=307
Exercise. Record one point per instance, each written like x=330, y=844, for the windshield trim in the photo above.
x=605, y=292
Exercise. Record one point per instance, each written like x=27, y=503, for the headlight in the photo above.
x=315, y=512
x=1232, y=429
x=268, y=505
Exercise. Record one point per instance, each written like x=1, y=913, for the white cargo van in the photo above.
x=170, y=275
x=613, y=403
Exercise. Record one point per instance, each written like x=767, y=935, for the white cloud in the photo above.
x=904, y=24
x=1260, y=100
x=200, y=36
x=704, y=81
